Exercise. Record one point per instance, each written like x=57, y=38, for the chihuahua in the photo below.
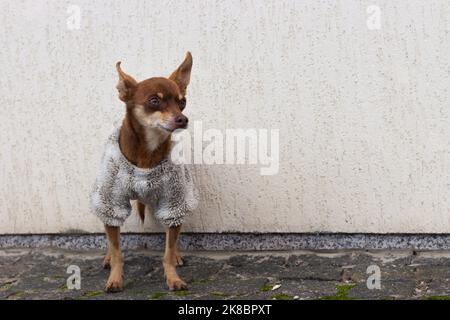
x=138, y=168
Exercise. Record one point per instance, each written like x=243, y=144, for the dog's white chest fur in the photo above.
x=154, y=138
x=154, y=135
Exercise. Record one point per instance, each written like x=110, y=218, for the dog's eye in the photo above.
x=154, y=101
x=182, y=103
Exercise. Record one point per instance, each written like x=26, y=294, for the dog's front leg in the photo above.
x=115, y=281
x=171, y=257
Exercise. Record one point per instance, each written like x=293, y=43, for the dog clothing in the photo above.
x=168, y=188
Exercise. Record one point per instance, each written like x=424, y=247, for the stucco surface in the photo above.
x=363, y=114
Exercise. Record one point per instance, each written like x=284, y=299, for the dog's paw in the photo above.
x=114, y=284
x=106, y=263
x=176, y=284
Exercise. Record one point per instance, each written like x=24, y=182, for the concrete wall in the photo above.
x=363, y=114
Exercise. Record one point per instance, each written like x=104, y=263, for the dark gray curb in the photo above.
x=238, y=241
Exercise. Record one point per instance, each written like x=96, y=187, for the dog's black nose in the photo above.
x=181, y=121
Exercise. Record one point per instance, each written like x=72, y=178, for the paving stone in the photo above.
x=42, y=274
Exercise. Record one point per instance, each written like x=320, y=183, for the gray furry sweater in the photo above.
x=168, y=188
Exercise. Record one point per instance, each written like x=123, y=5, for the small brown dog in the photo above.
x=153, y=111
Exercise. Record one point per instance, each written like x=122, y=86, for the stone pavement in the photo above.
x=41, y=274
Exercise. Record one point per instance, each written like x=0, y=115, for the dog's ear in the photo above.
x=126, y=86
x=182, y=75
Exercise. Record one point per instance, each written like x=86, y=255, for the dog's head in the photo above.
x=157, y=103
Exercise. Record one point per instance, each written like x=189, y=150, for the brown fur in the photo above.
x=134, y=144
x=132, y=139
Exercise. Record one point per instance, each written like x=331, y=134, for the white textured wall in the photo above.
x=363, y=114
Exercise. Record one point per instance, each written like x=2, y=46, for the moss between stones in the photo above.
x=17, y=295
x=157, y=295
x=182, y=293
x=219, y=294
x=437, y=298
x=7, y=286
x=91, y=294
x=342, y=291
x=63, y=287
x=266, y=287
